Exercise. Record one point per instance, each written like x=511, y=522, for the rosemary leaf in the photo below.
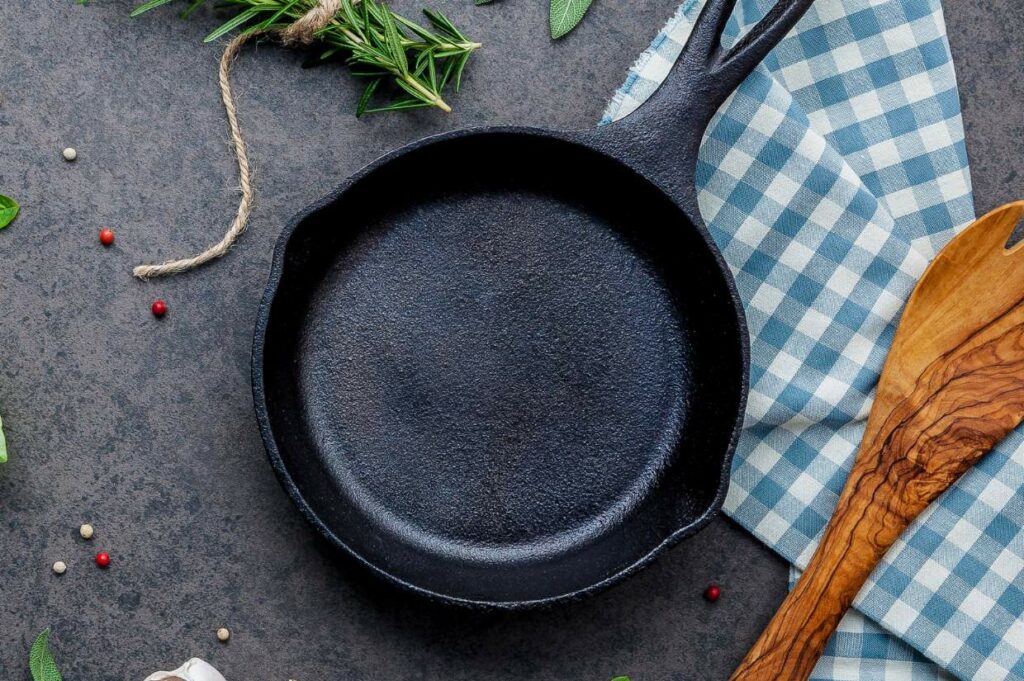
x=394, y=43
x=3, y=443
x=364, y=101
x=146, y=6
x=233, y=23
x=402, y=105
x=276, y=15
x=191, y=8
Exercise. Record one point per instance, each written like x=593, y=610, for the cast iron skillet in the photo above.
x=519, y=385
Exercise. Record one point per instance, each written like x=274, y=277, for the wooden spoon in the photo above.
x=952, y=387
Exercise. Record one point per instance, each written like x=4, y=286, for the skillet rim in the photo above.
x=592, y=142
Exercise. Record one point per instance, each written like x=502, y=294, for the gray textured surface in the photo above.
x=145, y=427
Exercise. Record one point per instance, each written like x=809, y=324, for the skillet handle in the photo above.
x=663, y=136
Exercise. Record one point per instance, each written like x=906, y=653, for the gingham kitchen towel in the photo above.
x=829, y=180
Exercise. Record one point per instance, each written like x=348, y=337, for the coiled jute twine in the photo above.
x=302, y=31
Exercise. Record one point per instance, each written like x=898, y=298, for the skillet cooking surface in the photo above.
x=504, y=387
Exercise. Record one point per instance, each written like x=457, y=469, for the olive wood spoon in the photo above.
x=952, y=387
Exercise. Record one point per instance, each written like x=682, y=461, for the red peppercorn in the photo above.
x=712, y=593
x=103, y=559
x=159, y=308
x=106, y=236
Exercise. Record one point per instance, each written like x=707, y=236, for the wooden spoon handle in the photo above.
x=915, y=447
x=853, y=544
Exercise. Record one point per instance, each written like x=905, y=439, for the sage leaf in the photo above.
x=8, y=210
x=3, y=443
x=565, y=14
x=40, y=660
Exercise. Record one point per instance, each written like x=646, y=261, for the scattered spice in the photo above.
x=86, y=531
x=60, y=567
x=712, y=593
x=223, y=634
x=70, y=154
x=103, y=559
x=106, y=236
x=159, y=308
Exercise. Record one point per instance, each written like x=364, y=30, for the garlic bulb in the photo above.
x=193, y=670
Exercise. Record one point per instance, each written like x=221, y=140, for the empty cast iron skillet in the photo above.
x=518, y=384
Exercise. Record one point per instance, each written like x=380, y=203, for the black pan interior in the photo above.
x=501, y=368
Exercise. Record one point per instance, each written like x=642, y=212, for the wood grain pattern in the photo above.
x=952, y=387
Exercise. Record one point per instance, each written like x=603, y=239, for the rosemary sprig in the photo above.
x=375, y=42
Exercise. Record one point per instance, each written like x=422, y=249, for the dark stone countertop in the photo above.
x=146, y=427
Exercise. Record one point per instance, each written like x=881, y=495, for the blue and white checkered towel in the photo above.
x=829, y=180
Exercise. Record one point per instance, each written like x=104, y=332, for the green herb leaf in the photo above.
x=277, y=15
x=402, y=105
x=232, y=23
x=621, y=678
x=565, y=14
x=394, y=41
x=8, y=210
x=40, y=660
x=191, y=8
x=3, y=443
x=364, y=101
x=146, y=6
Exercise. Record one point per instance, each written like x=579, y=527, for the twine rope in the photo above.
x=302, y=31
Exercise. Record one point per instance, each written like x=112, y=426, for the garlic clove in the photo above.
x=193, y=670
